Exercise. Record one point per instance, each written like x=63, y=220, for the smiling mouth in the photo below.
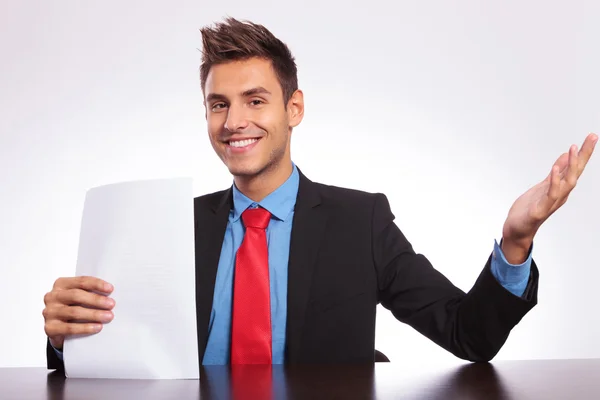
x=242, y=143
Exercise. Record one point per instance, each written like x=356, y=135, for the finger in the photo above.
x=573, y=170
x=553, y=194
x=562, y=163
x=76, y=314
x=59, y=328
x=83, y=298
x=587, y=149
x=81, y=314
x=89, y=283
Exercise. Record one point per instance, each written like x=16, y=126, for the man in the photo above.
x=291, y=271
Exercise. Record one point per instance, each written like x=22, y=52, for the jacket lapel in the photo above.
x=309, y=223
x=210, y=225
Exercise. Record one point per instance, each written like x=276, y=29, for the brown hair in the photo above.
x=234, y=40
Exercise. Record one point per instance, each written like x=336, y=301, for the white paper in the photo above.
x=139, y=236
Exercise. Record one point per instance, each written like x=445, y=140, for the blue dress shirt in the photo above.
x=281, y=205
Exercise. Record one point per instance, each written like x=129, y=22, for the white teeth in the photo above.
x=242, y=143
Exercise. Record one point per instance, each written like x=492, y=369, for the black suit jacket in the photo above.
x=347, y=256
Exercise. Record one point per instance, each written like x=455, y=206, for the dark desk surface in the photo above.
x=560, y=379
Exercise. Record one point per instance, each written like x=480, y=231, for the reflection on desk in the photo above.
x=549, y=379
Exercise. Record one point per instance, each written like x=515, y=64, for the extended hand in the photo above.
x=537, y=204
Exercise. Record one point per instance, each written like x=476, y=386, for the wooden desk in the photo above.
x=560, y=379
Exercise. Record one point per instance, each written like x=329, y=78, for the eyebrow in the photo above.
x=246, y=93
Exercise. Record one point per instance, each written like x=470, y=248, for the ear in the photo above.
x=295, y=108
x=205, y=111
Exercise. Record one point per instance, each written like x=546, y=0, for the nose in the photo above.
x=236, y=119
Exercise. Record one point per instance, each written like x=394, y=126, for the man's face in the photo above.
x=248, y=125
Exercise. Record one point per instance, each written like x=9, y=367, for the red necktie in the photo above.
x=251, y=318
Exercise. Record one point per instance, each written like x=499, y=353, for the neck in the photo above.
x=260, y=186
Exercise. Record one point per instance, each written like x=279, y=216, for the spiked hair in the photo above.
x=234, y=40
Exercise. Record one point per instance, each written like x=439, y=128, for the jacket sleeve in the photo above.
x=52, y=359
x=472, y=326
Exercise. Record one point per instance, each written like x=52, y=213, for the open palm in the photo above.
x=536, y=205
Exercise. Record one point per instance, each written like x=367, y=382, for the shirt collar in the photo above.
x=280, y=203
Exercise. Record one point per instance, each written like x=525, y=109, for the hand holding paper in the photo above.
x=73, y=309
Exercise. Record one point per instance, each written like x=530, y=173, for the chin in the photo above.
x=254, y=166
x=246, y=170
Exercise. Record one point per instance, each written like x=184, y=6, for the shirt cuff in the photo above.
x=59, y=353
x=513, y=277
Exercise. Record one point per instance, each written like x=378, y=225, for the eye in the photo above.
x=256, y=102
x=218, y=106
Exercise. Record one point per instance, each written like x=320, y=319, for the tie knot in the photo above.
x=256, y=218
